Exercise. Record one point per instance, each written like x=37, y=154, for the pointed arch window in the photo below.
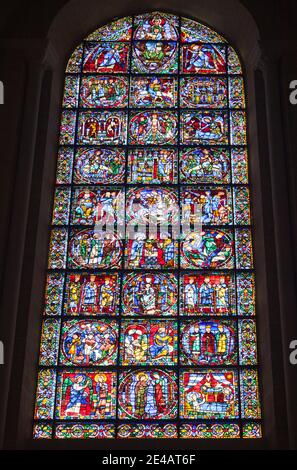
x=150, y=335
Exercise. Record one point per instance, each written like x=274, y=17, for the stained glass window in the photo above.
x=148, y=333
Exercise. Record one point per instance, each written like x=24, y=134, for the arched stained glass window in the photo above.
x=148, y=334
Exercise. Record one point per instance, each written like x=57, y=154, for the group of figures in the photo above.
x=92, y=204
x=215, y=207
x=155, y=56
x=86, y=395
x=99, y=166
x=149, y=320
x=208, y=92
x=212, y=394
x=156, y=165
x=147, y=394
x=90, y=249
x=158, y=92
x=209, y=248
x=151, y=294
x=205, y=127
x=89, y=342
x=207, y=294
x=205, y=165
x=149, y=342
x=208, y=343
x=143, y=252
x=104, y=92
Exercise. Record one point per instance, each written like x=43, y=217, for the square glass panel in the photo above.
x=209, y=394
x=92, y=294
x=85, y=394
x=153, y=92
x=148, y=342
x=154, y=57
x=106, y=57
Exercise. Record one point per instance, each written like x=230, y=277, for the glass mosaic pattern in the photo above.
x=150, y=336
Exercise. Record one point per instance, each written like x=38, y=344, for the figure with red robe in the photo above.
x=208, y=342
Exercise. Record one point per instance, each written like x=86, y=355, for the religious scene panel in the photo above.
x=156, y=252
x=206, y=127
x=106, y=127
x=153, y=92
x=150, y=294
x=209, y=394
x=207, y=294
x=211, y=248
x=94, y=249
x=203, y=59
x=205, y=165
x=209, y=205
x=85, y=394
x=148, y=342
x=208, y=342
x=154, y=57
x=104, y=92
x=151, y=166
x=156, y=26
x=92, y=294
x=92, y=205
x=203, y=92
x=153, y=205
x=89, y=342
x=153, y=127
x=106, y=57
x=148, y=394
x=99, y=165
